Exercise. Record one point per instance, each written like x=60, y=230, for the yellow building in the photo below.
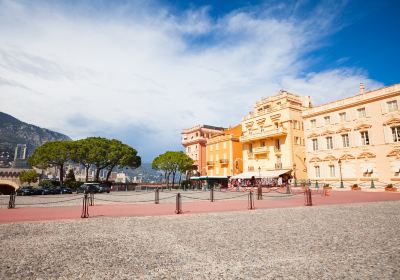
x=356, y=139
x=224, y=153
x=273, y=136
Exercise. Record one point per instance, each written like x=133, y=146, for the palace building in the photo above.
x=224, y=153
x=273, y=136
x=356, y=139
x=194, y=141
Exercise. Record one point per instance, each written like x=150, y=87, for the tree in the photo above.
x=81, y=154
x=185, y=164
x=70, y=176
x=121, y=155
x=52, y=154
x=170, y=163
x=28, y=176
x=98, y=153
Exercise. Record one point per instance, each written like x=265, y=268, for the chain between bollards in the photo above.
x=212, y=194
x=308, y=197
x=251, y=201
x=85, y=206
x=178, y=204
x=11, y=202
x=157, y=196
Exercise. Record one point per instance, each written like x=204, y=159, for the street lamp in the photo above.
x=294, y=175
x=340, y=171
x=259, y=171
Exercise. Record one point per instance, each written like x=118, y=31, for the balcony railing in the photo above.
x=260, y=150
x=193, y=140
x=224, y=161
x=278, y=165
x=210, y=163
x=247, y=137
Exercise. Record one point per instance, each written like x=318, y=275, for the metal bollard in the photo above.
x=259, y=193
x=308, y=197
x=251, y=201
x=178, y=204
x=85, y=206
x=11, y=202
x=212, y=194
x=157, y=196
x=91, y=199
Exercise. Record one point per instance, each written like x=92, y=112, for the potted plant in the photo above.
x=355, y=187
x=390, y=188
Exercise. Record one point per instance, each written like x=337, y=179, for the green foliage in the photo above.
x=73, y=185
x=70, y=176
x=49, y=183
x=28, y=176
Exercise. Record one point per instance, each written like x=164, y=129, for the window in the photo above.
x=392, y=106
x=217, y=146
x=297, y=140
x=188, y=149
x=345, y=140
x=332, y=170
x=250, y=148
x=327, y=120
x=317, y=171
x=396, y=133
x=342, y=117
x=277, y=145
x=262, y=144
x=329, y=143
x=313, y=123
x=364, y=138
x=361, y=113
x=315, y=144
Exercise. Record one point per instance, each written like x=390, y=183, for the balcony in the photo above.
x=252, y=136
x=210, y=163
x=260, y=150
x=223, y=161
x=193, y=140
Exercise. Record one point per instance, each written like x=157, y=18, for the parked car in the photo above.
x=63, y=190
x=26, y=191
x=46, y=190
x=104, y=188
x=89, y=188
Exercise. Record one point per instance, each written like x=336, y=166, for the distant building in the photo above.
x=20, y=160
x=273, y=136
x=194, y=140
x=224, y=153
x=356, y=138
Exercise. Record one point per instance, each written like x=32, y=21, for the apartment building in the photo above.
x=224, y=153
x=194, y=141
x=273, y=136
x=356, y=138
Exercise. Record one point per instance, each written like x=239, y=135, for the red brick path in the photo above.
x=115, y=210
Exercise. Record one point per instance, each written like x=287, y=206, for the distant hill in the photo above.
x=14, y=131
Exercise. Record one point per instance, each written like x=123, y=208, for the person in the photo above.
x=279, y=181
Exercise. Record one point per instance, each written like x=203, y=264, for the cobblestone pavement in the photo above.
x=353, y=241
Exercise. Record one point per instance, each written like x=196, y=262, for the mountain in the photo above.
x=14, y=131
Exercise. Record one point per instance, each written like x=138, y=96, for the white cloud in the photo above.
x=84, y=74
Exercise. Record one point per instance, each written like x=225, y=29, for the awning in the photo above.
x=212, y=177
x=263, y=174
x=194, y=178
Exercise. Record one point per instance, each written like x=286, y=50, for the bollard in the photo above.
x=308, y=197
x=157, y=196
x=251, y=201
x=11, y=202
x=85, y=206
x=259, y=193
x=212, y=194
x=178, y=204
x=91, y=199
x=288, y=189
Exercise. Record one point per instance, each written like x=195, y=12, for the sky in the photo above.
x=141, y=71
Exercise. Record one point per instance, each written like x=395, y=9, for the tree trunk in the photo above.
x=180, y=178
x=173, y=178
x=87, y=172
x=97, y=173
x=61, y=166
x=109, y=172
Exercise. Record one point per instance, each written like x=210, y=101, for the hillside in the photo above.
x=14, y=131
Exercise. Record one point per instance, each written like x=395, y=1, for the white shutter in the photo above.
x=387, y=133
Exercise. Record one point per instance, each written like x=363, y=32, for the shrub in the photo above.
x=389, y=186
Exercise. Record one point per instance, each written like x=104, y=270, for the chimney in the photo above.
x=362, y=88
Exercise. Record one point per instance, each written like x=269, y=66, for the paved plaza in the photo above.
x=348, y=241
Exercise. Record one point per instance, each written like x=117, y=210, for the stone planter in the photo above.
x=390, y=189
x=356, y=188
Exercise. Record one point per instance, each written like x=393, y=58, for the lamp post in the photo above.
x=294, y=175
x=259, y=171
x=340, y=171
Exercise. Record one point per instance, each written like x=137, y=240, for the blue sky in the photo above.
x=141, y=71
